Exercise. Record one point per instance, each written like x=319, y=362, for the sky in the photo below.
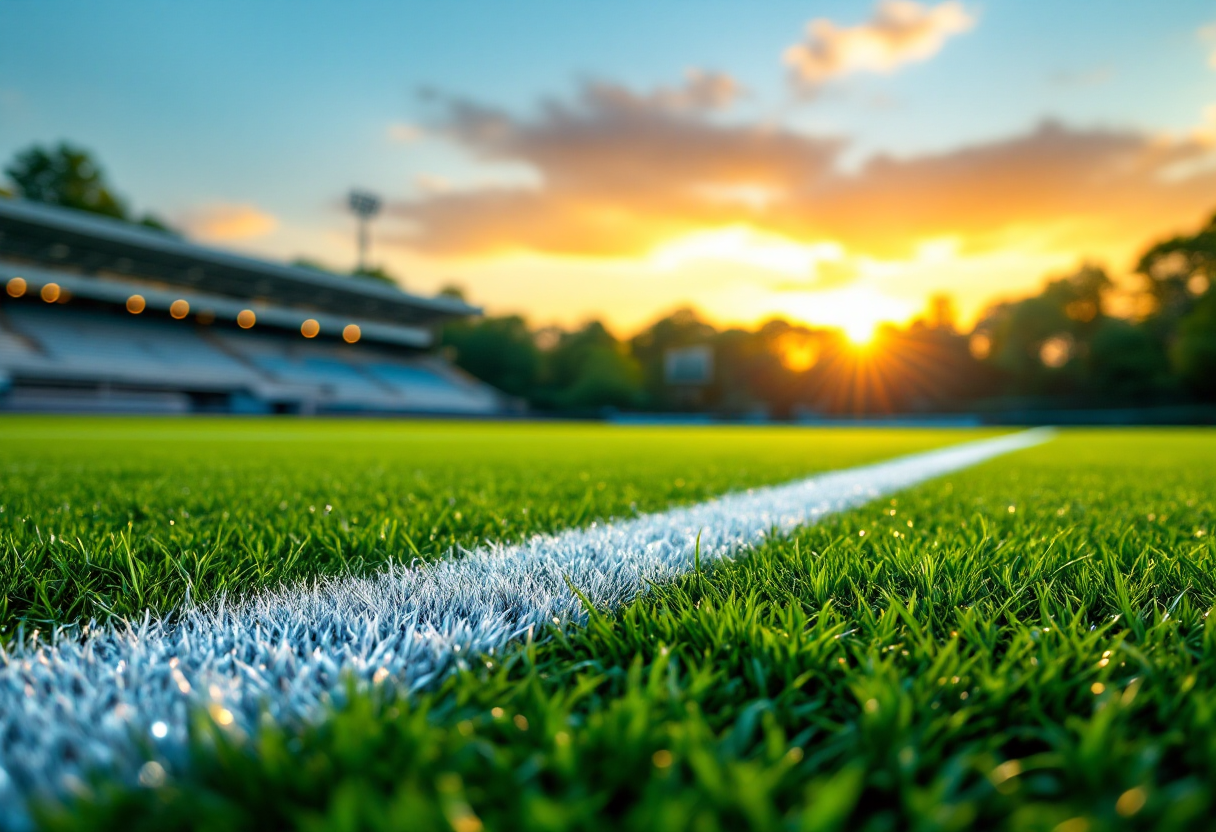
x=833, y=163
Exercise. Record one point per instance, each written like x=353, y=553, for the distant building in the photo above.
x=689, y=366
x=100, y=315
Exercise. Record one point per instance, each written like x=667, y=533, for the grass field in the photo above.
x=1023, y=645
x=103, y=517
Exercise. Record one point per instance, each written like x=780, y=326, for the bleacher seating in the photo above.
x=277, y=368
x=431, y=389
x=67, y=341
x=92, y=344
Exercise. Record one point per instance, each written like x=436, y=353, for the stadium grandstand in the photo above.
x=101, y=315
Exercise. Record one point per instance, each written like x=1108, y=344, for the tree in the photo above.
x=65, y=175
x=1193, y=353
x=499, y=351
x=377, y=273
x=1126, y=364
x=589, y=368
x=1178, y=271
x=1041, y=342
x=310, y=263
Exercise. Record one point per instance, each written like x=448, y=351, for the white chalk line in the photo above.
x=106, y=700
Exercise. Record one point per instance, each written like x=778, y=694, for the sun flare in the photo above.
x=860, y=332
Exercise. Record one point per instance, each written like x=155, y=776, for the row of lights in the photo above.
x=179, y=309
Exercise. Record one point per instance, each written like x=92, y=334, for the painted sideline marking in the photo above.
x=94, y=700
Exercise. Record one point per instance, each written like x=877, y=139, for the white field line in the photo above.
x=115, y=697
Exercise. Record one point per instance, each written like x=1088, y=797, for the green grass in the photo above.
x=1025, y=645
x=102, y=517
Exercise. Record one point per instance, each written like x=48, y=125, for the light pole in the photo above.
x=365, y=206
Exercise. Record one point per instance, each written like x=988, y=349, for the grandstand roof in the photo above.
x=66, y=238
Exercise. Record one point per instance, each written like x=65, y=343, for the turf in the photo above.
x=1025, y=645
x=118, y=517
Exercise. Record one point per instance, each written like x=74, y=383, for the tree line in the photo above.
x=1059, y=349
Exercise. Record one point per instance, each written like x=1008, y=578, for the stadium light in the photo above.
x=310, y=328
x=351, y=333
x=246, y=319
x=50, y=292
x=136, y=304
x=16, y=287
x=179, y=309
x=365, y=206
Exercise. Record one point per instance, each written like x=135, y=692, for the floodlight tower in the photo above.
x=365, y=206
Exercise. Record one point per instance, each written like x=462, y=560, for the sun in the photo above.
x=860, y=332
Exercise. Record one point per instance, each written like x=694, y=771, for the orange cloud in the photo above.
x=900, y=32
x=622, y=175
x=226, y=222
x=619, y=172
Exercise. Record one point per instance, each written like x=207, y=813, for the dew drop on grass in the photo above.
x=152, y=775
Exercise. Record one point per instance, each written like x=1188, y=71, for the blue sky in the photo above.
x=276, y=108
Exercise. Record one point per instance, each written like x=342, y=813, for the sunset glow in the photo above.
x=747, y=246
x=856, y=310
x=835, y=167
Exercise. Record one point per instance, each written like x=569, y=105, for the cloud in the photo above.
x=622, y=174
x=701, y=92
x=402, y=133
x=1206, y=132
x=1208, y=35
x=429, y=183
x=223, y=222
x=1093, y=77
x=900, y=32
x=602, y=158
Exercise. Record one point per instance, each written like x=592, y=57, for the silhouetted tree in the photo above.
x=1193, y=353
x=377, y=273
x=588, y=369
x=1179, y=271
x=69, y=176
x=65, y=175
x=499, y=351
x=1040, y=342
